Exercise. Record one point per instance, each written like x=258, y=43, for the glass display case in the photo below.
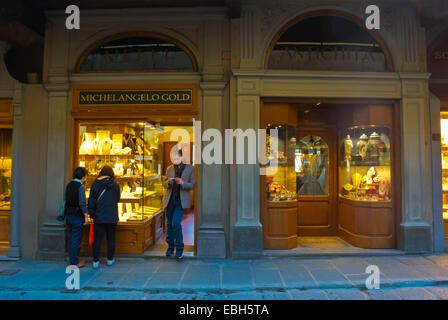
x=131, y=149
x=5, y=168
x=281, y=176
x=364, y=170
x=444, y=140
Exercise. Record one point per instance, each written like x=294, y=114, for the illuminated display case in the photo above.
x=444, y=140
x=131, y=150
x=364, y=170
x=281, y=175
x=5, y=168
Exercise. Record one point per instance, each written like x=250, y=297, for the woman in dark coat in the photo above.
x=103, y=209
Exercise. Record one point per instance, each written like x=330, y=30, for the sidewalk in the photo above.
x=402, y=277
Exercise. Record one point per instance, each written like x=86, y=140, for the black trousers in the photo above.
x=98, y=232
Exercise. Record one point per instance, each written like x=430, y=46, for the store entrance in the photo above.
x=139, y=154
x=331, y=174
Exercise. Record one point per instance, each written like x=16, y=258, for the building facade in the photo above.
x=254, y=65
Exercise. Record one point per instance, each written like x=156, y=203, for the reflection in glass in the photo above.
x=312, y=166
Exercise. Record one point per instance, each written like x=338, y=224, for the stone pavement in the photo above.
x=401, y=277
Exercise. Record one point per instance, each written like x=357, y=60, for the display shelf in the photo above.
x=104, y=156
x=131, y=150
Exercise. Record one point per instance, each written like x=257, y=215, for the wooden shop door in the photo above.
x=315, y=165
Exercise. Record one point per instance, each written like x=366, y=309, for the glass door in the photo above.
x=315, y=178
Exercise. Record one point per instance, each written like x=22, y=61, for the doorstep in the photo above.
x=316, y=253
x=328, y=247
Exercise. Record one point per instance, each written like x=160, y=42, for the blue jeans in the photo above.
x=174, y=215
x=74, y=233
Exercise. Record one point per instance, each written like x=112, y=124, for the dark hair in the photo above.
x=107, y=171
x=179, y=152
x=79, y=173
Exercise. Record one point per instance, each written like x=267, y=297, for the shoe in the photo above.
x=179, y=254
x=169, y=252
x=110, y=262
x=96, y=264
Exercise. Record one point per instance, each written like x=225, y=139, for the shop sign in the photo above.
x=136, y=97
x=327, y=57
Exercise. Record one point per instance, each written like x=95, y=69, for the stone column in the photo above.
x=247, y=234
x=211, y=231
x=436, y=151
x=16, y=175
x=415, y=230
x=52, y=232
x=247, y=231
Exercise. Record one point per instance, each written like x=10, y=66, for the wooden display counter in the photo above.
x=5, y=227
x=280, y=225
x=445, y=228
x=367, y=224
x=132, y=237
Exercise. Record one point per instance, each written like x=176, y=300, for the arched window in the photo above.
x=137, y=52
x=328, y=42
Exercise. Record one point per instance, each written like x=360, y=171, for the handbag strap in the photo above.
x=101, y=195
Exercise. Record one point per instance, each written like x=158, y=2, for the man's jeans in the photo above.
x=74, y=233
x=174, y=215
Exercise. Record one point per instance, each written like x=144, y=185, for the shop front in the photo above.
x=334, y=172
x=437, y=58
x=351, y=142
x=350, y=105
x=116, y=125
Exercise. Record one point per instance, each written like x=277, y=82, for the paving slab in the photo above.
x=329, y=276
x=440, y=292
x=350, y=265
x=276, y=295
x=415, y=294
x=345, y=294
x=164, y=280
x=267, y=278
x=312, y=294
x=237, y=276
x=299, y=277
x=379, y=294
x=202, y=277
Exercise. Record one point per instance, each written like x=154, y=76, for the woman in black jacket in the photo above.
x=103, y=209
